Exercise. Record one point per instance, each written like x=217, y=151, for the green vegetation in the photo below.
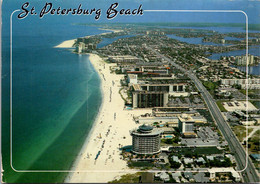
x=174, y=141
x=240, y=132
x=252, y=93
x=211, y=87
x=106, y=60
x=220, y=106
x=120, y=92
x=205, y=113
x=129, y=94
x=256, y=104
x=140, y=164
x=218, y=163
x=244, y=91
x=171, y=180
x=254, y=142
x=190, y=152
x=118, y=71
x=175, y=165
x=128, y=178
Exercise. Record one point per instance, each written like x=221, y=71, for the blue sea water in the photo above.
x=56, y=97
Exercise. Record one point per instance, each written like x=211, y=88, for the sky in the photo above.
x=251, y=8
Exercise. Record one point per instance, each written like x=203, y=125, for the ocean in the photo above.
x=56, y=97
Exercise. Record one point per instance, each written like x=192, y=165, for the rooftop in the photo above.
x=145, y=128
x=185, y=118
x=189, y=133
x=132, y=76
x=137, y=87
x=123, y=57
x=255, y=156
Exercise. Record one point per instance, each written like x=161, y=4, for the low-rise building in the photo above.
x=176, y=176
x=123, y=59
x=172, y=111
x=255, y=157
x=209, y=157
x=200, y=160
x=231, y=157
x=164, y=176
x=252, y=83
x=189, y=176
x=222, y=170
x=132, y=79
x=170, y=121
x=188, y=160
x=186, y=124
x=201, y=178
x=176, y=159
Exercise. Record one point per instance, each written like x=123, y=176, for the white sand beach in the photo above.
x=70, y=43
x=110, y=130
x=113, y=30
x=66, y=44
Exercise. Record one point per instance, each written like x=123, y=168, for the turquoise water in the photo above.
x=54, y=105
x=56, y=97
x=168, y=136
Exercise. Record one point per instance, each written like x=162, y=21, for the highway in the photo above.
x=249, y=173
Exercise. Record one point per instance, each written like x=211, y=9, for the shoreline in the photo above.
x=90, y=133
x=100, y=154
x=70, y=43
x=66, y=44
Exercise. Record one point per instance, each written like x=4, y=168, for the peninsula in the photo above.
x=156, y=86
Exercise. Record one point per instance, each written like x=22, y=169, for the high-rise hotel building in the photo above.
x=146, y=140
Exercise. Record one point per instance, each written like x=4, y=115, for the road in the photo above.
x=249, y=173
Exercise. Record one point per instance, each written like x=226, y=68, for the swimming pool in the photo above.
x=168, y=136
